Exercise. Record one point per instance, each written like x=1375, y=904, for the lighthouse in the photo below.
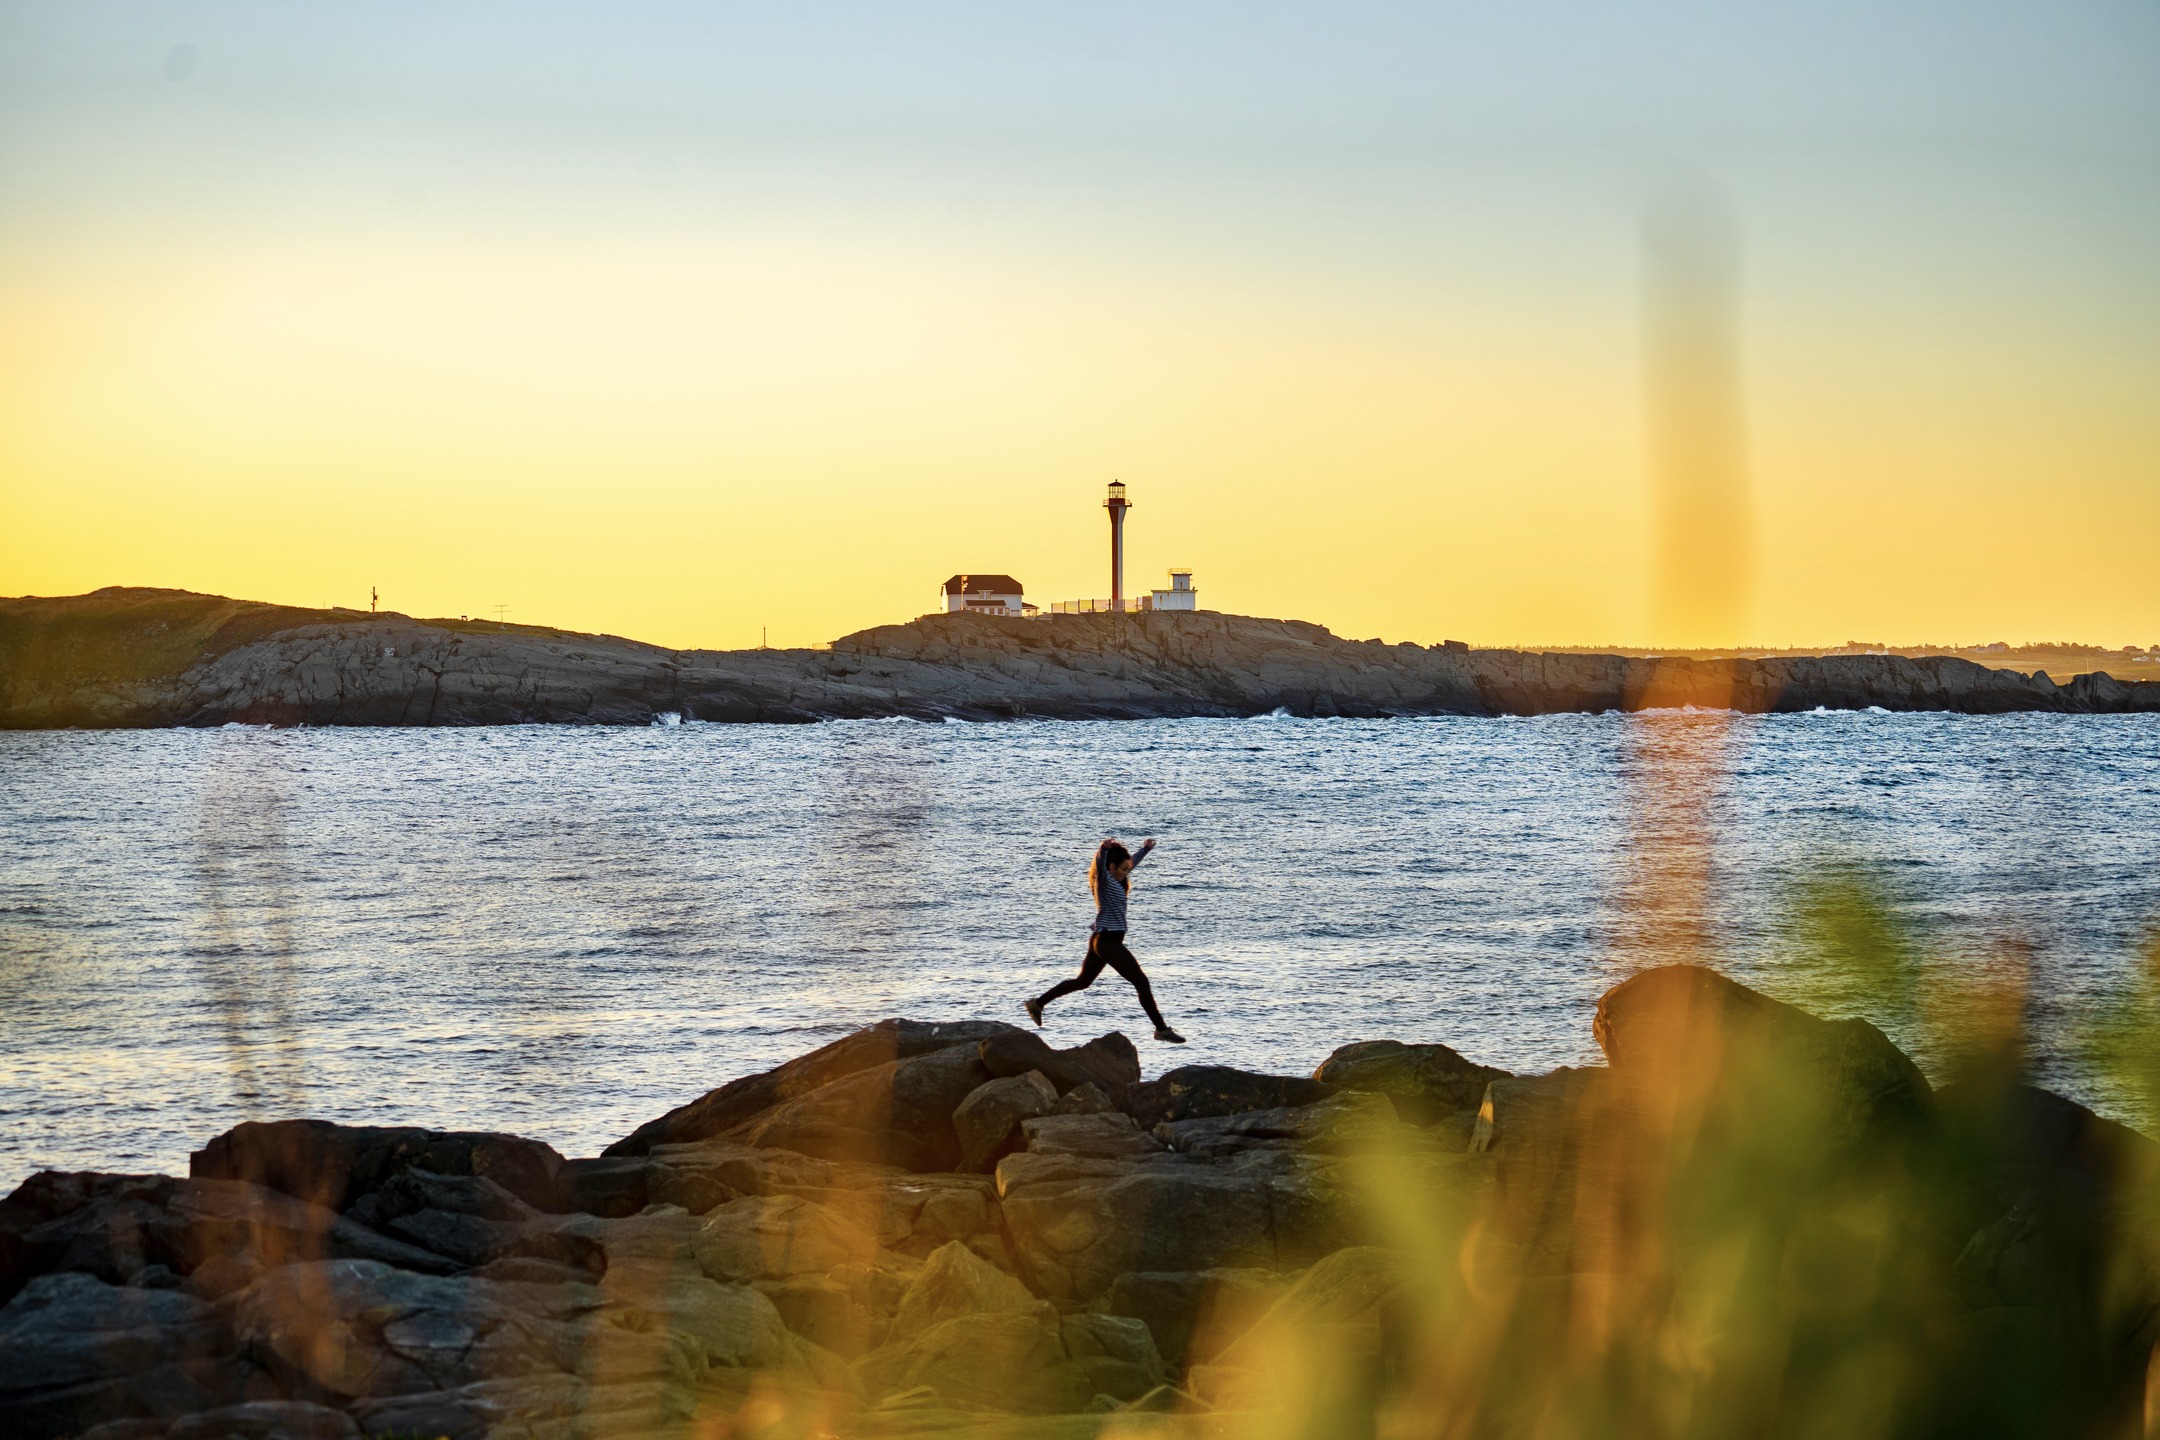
x=1117, y=505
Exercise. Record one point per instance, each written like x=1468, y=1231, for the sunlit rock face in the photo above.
x=921, y=1226
x=159, y=657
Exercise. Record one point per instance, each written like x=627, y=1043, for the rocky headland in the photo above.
x=137, y=657
x=1749, y=1221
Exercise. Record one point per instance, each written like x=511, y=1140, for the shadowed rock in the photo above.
x=1191, y=1091
x=740, y=1101
x=334, y=1165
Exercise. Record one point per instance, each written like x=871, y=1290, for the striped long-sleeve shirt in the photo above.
x=1110, y=899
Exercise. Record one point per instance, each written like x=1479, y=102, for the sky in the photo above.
x=707, y=323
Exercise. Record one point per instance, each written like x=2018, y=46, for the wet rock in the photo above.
x=738, y=1102
x=988, y=1120
x=334, y=1165
x=1192, y=1091
x=1105, y=1135
x=1108, y=1062
x=1426, y=1082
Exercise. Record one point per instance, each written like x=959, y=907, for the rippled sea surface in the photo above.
x=563, y=932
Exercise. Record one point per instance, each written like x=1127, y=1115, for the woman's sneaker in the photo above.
x=1034, y=1009
x=1168, y=1036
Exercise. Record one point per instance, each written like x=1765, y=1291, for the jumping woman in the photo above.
x=1110, y=877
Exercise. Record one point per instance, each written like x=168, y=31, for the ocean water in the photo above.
x=564, y=932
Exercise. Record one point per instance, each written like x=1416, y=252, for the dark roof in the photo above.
x=983, y=584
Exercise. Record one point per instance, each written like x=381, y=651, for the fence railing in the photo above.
x=1101, y=607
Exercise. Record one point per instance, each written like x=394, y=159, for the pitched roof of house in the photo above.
x=983, y=585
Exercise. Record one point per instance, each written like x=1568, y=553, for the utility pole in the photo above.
x=372, y=597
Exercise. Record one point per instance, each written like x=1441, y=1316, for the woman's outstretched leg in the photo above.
x=1121, y=960
x=1089, y=969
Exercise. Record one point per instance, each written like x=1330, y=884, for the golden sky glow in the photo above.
x=628, y=359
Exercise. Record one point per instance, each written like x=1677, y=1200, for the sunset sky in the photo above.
x=677, y=321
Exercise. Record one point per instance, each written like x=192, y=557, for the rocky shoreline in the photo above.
x=126, y=658
x=933, y=1228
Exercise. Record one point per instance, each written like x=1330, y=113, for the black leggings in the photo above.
x=1107, y=947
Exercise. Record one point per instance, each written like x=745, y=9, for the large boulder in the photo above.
x=1693, y=1048
x=180, y=1225
x=1562, y=1142
x=1191, y=1091
x=76, y=1352
x=988, y=1120
x=956, y=1281
x=1108, y=1062
x=1077, y=1224
x=1426, y=1082
x=334, y=1165
x=720, y=1111
x=773, y=1237
x=356, y=1330
x=899, y=1113
x=1103, y=1135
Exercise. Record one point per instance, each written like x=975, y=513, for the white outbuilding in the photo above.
x=1181, y=595
x=985, y=595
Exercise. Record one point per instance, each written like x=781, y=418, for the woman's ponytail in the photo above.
x=1108, y=855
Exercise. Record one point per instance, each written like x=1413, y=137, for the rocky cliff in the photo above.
x=125, y=657
x=1760, y=1221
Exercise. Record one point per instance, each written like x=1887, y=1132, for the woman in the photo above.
x=1110, y=877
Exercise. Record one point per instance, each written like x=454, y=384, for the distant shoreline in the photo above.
x=131, y=658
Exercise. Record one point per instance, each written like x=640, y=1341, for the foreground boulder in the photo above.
x=1691, y=1044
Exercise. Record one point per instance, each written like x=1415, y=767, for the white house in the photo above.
x=1180, y=595
x=985, y=595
